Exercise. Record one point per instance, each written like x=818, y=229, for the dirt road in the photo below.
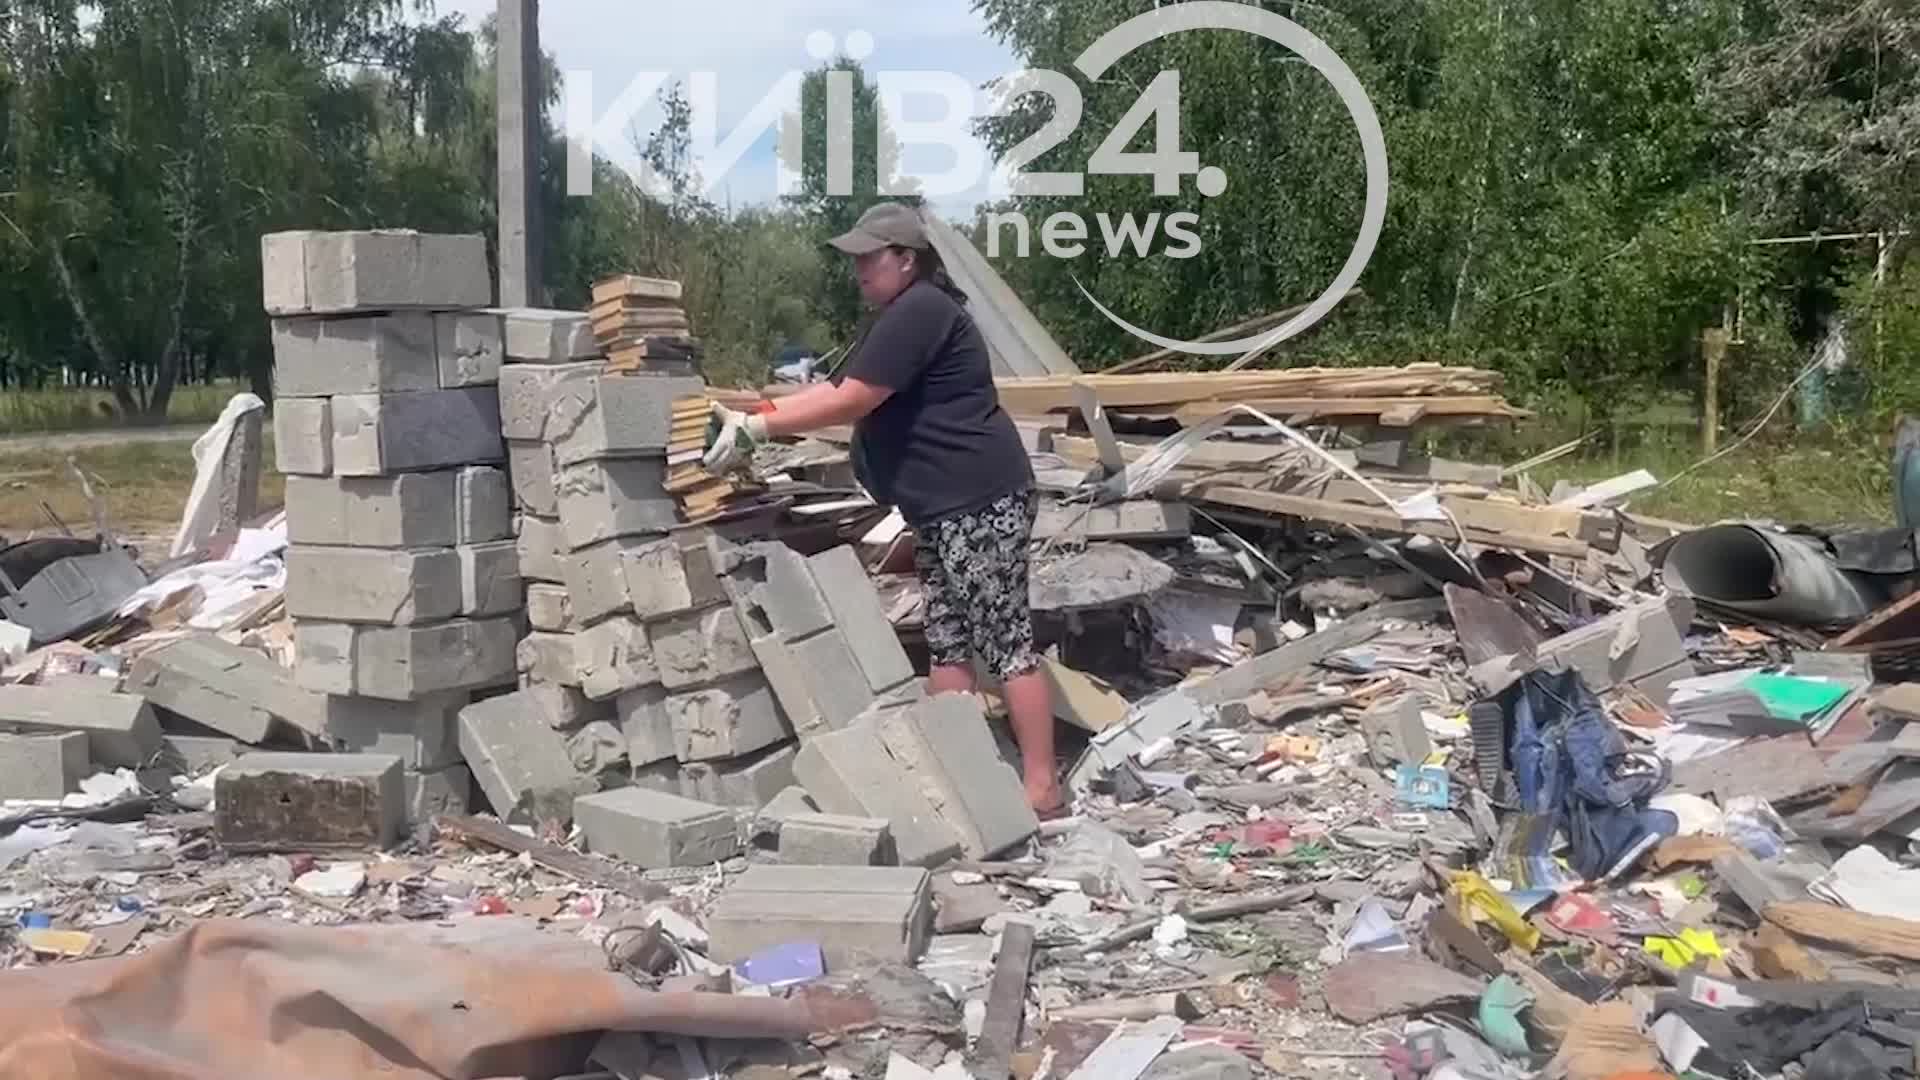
x=60, y=442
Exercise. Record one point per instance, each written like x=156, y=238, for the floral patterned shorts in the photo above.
x=974, y=568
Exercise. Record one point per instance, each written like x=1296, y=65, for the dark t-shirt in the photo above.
x=941, y=444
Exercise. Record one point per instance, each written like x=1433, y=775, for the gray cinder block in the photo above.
x=862, y=916
x=835, y=840
x=832, y=677
x=121, y=729
x=372, y=585
x=612, y=658
x=531, y=466
x=483, y=501
x=850, y=772
x=549, y=608
x=541, y=549
x=309, y=802
x=407, y=662
x=420, y=733
x=377, y=434
x=613, y=416
x=308, y=273
x=526, y=391
x=412, y=510
x=672, y=575
x=43, y=766
x=547, y=658
x=862, y=621
x=944, y=742
x=652, y=829
x=303, y=436
x=547, y=336
x=490, y=578
x=596, y=580
x=774, y=589
x=379, y=354
x=520, y=763
x=234, y=690
x=727, y=720
x=643, y=718
x=700, y=647
x=438, y=792
x=603, y=500
x=470, y=348
x=744, y=783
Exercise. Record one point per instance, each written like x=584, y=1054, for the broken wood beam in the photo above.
x=992, y=1056
x=1381, y=519
x=1881, y=935
x=555, y=858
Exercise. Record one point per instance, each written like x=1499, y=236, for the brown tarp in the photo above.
x=487, y=997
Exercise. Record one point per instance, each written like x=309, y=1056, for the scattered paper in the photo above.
x=1869, y=882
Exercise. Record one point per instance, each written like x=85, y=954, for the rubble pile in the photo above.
x=1382, y=764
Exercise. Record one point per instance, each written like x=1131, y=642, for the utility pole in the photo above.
x=518, y=74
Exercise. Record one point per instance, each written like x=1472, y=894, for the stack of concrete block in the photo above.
x=403, y=575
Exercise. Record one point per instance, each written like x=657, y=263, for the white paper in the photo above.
x=1870, y=883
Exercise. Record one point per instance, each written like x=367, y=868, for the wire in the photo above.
x=1766, y=418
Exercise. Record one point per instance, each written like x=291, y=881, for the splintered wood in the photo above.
x=700, y=493
x=1388, y=396
x=640, y=324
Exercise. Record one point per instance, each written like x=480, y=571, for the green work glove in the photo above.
x=732, y=437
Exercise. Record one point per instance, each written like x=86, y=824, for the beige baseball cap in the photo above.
x=887, y=224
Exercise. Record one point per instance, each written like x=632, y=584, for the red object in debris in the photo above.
x=490, y=905
x=1274, y=836
x=1283, y=989
x=301, y=864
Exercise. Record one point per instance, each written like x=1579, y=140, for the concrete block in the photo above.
x=602, y=500
x=835, y=840
x=850, y=772
x=483, y=502
x=596, y=580
x=1631, y=644
x=377, y=434
x=643, y=718
x=672, y=575
x=945, y=744
x=309, y=802
x=378, y=270
x=526, y=391
x=547, y=658
x=1203, y=1062
x=857, y=612
x=565, y=708
x=44, y=766
x=381, y=354
x=611, y=416
x=661, y=776
x=437, y=793
x=774, y=590
x=549, y=608
x=700, y=647
x=540, y=546
x=546, y=336
x=833, y=677
x=410, y=662
x=520, y=763
x=862, y=916
x=121, y=729
x=613, y=657
x=599, y=750
x=470, y=348
x=727, y=720
x=651, y=829
x=422, y=734
x=414, y=510
x=323, y=657
x=490, y=578
x=531, y=467
x=192, y=755
x=233, y=690
x=746, y=783
x=303, y=436
x=372, y=585
x=1139, y=521
x=785, y=804
x=790, y=685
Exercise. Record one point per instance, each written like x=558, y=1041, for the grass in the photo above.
x=144, y=486
x=73, y=409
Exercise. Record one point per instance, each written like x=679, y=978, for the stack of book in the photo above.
x=700, y=493
x=1756, y=702
x=642, y=327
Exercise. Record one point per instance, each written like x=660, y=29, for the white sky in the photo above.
x=749, y=45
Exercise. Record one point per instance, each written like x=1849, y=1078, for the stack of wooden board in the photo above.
x=640, y=324
x=699, y=493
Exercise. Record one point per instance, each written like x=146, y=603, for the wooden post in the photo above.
x=517, y=61
x=1713, y=347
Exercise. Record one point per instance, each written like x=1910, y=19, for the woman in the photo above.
x=931, y=439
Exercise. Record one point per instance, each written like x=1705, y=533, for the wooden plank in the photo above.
x=1380, y=520
x=557, y=859
x=1096, y=417
x=992, y=1057
x=1386, y=411
x=1133, y=392
x=1877, y=935
x=1901, y=618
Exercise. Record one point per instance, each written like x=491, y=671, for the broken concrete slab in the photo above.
x=835, y=840
x=469, y=347
x=309, y=802
x=651, y=829
x=315, y=273
x=614, y=657
x=857, y=613
x=48, y=765
x=483, y=503
x=422, y=734
x=380, y=354
x=490, y=578
x=530, y=465
x=384, y=587
x=945, y=743
x=519, y=762
x=861, y=916
x=541, y=549
x=121, y=729
x=548, y=336
x=850, y=772
x=378, y=434
x=614, y=416
x=231, y=689
x=602, y=500
x=700, y=647
x=414, y=510
x=727, y=720
x=303, y=436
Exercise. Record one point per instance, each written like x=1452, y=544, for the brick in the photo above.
x=377, y=434
x=861, y=916
x=547, y=658
x=483, y=505
x=774, y=590
x=835, y=840
x=790, y=685
x=196, y=754
x=613, y=657
x=643, y=718
x=323, y=657
x=540, y=547
x=611, y=416
x=309, y=802
x=490, y=578
x=596, y=580
x=303, y=436
x=230, y=689
x=833, y=677
x=404, y=663
x=44, y=766
x=727, y=720
x=744, y=783
x=372, y=585
x=121, y=729
x=470, y=348
x=326, y=272
x=415, y=510
x=651, y=829
x=549, y=608
x=946, y=744
x=546, y=336
x=850, y=772
x=437, y=793
x=565, y=708
x=519, y=762
x=531, y=467
x=381, y=354
x=603, y=500
x=420, y=733
x=857, y=612
x=526, y=391
x=672, y=575
x=700, y=647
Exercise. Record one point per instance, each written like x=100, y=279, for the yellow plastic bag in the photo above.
x=1476, y=894
x=1684, y=951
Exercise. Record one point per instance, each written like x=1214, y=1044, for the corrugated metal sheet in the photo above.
x=1019, y=344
